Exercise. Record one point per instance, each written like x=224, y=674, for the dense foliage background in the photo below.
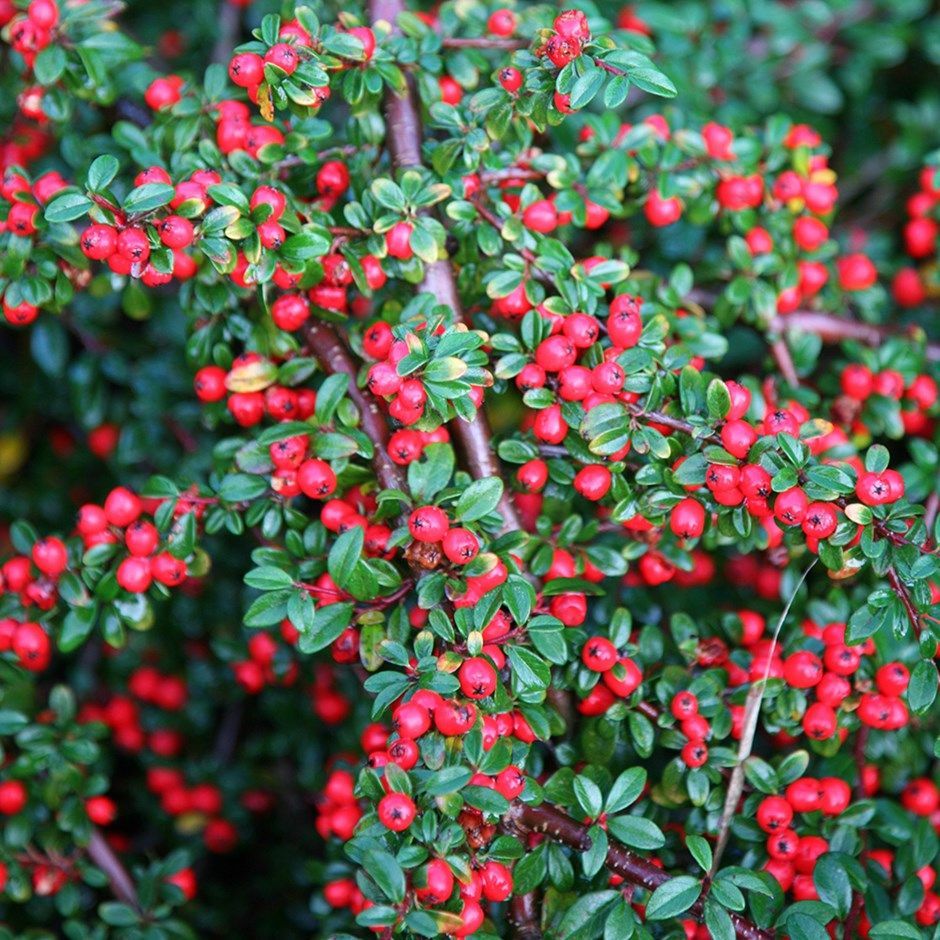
x=687, y=253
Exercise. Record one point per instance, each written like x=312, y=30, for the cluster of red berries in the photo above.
x=259, y=671
x=909, y=286
x=338, y=810
x=406, y=396
x=265, y=398
x=203, y=799
x=292, y=310
x=620, y=675
x=124, y=518
x=32, y=31
x=329, y=703
x=247, y=69
x=25, y=200
x=122, y=715
x=859, y=383
x=793, y=857
x=695, y=727
x=126, y=246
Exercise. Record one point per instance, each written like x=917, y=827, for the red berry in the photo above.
x=316, y=479
x=774, y=813
x=460, y=546
x=13, y=797
x=50, y=556
x=428, y=524
x=398, y=241
x=511, y=79
x=477, y=678
x=246, y=69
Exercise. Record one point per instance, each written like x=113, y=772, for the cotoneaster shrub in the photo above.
x=459, y=491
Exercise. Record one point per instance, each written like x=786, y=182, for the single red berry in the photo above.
x=316, y=479
x=13, y=797
x=50, y=556
x=460, y=546
x=428, y=524
x=398, y=241
x=694, y=754
x=599, y=654
x=511, y=79
x=477, y=678
x=246, y=69
x=774, y=814
x=501, y=22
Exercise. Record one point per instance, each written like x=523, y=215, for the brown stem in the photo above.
x=524, y=916
x=227, y=30
x=834, y=329
x=781, y=354
x=334, y=357
x=404, y=136
x=122, y=886
x=607, y=67
x=483, y=42
x=930, y=511
x=560, y=827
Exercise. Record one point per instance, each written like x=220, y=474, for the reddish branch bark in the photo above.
x=404, y=136
x=483, y=42
x=559, y=826
x=524, y=916
x=834, y=329
x=332, y=354
x=122, y=886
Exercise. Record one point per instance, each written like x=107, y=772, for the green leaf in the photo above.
x=268, y=578
x=485, y=799
x=700, y=850
x=653, y=81
x=673, y=898
x=388, y=194
x=585, y=918
x=76, y=627
x=328, y=623
x=11, y=722
x=922, y=689
x=148, y=197
x=588, y=795
x=447, y=780
x=832, y=884
x=117, y=915
x=625, y=790
x=586, y=87
x=241, y=488
x=102, y=171
x=385, y=871
x=345, y=554
x=636, y=832
x=479, y=499
x=718, y=922
x=67, y=207
x=529, y=671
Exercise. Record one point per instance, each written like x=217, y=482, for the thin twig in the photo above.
x=483, y=42
x=227, y=30
x=332, y=354
x=122, y=886
x=751, y=714
x=900, y=589
x=781, y=354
